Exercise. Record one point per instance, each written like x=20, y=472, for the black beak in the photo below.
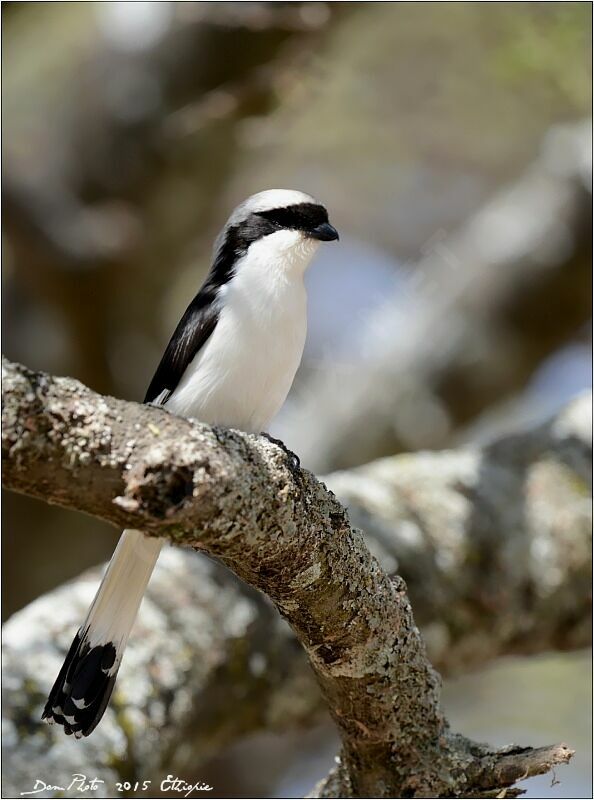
x=324, y=232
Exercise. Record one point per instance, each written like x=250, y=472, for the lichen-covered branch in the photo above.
x=245, y=501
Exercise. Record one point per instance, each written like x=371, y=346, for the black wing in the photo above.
x=192, y=332
x=201, y=316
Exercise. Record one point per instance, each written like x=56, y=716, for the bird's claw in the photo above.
x=293, y=458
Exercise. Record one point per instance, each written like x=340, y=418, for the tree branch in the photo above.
x=244, y=500
x=495, y=547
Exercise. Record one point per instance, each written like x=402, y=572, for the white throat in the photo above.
x=284, y=252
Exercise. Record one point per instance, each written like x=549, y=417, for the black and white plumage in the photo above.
x=231, y=361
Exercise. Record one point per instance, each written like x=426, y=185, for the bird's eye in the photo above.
x=276, y=224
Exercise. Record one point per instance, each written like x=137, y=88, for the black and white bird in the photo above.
x=231, y=361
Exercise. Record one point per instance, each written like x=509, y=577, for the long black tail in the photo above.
x=84, y=685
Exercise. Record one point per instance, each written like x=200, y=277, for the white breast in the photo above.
x=242, y=375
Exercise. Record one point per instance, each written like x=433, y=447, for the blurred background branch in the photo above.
x=485, y=306
x=210, y=661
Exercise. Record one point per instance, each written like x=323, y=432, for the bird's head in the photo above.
x=281, y=226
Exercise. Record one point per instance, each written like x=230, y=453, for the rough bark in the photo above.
x=244, y=500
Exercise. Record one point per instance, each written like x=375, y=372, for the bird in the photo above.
x=231, y=361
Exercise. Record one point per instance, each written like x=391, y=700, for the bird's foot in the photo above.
x=294, y=463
